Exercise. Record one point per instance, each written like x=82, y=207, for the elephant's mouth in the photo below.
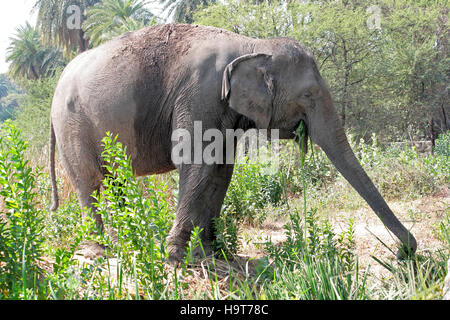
x=296, y=130
x=290, y=132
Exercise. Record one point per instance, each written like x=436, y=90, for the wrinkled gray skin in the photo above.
x=145, y=84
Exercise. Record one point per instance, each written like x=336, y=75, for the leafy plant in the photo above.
x=32, y=117
x=251, y=189
x=21, y=227
x=439, y=164
x=320, y=265
x=140, y=224
x=226, y=233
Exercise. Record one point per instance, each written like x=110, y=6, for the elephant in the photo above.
x=146, y=84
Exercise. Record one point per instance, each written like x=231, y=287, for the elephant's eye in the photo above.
x=307, y=94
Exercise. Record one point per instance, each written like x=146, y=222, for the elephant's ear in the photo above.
x=248, y=87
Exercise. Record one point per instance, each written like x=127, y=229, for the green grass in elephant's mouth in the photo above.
x=300, y=131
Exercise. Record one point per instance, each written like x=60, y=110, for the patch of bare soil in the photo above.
x=421, y=217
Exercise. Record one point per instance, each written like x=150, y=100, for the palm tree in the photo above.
x=111, y=18
x=183, y=10
x=59, y=22
x=28, y=57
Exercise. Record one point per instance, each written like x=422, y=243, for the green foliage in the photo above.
x=34, y=113
x=24, y=231
x=141, y=224
x=317, y=266
x=319, y=171
x=438, y=164
x=252, y=188
x=62, y=225
x=110, y=18
x=193, y=245
x=419, y=278
x=21, y=227
x=29, y=58
x=386, y=67
x=9, y=106
x=66, y=282
x=444, y=230
x=226, y=233
x=183, y=10
x=250, y=18
x=442, y=147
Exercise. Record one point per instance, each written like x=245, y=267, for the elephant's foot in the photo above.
x=91, y=250
x=177, y=252
x=202, y=252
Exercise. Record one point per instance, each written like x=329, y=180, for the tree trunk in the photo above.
x=432, y=135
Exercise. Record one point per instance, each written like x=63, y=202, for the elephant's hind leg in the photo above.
x=85, y=174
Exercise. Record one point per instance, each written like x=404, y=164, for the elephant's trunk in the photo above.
x=326, y=130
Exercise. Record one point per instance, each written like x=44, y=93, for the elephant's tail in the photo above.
x=55, y=198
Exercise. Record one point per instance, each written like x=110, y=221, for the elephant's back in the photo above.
x=163, y=46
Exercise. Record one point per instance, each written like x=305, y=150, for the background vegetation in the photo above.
x=388, y=70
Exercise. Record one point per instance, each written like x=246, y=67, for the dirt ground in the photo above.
x=421, y=217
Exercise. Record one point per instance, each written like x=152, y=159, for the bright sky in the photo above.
x=14, y=13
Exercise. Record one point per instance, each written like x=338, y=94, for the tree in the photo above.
x=183, y=10
x=111, y=18
x=60, y=21
x=343, y=43
x=386, y=64
x=418, y=73
x=263, y=19
x=336, y=32
x=29, y=58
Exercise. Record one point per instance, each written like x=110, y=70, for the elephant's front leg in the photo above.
x=201, y=194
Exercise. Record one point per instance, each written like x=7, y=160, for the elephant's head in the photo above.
x=277, y=88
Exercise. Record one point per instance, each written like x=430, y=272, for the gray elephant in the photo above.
x=146, y=84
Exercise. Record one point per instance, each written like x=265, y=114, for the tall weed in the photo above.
x=21, y=220
x=140, y=224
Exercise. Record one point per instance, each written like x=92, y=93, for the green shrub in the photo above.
x=439, y=163
x=33, y=114
x=251, y=189
x=21, y=221
x=319, y=171
x=226, y=233
x=442, y=145
x=68, y=280
x=61, y=226
x=141, y=224
x=319, y=266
